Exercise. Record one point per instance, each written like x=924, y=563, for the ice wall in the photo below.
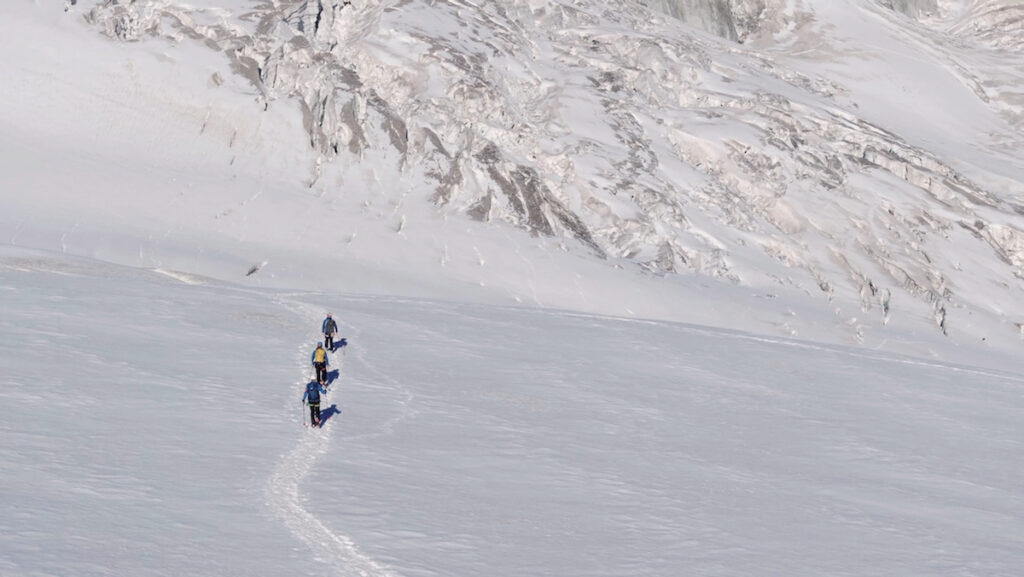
x=913, y=8
x=737, y=20
x=715, y=16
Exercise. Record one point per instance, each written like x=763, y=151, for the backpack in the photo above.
x=319, y=355
x=313, y=393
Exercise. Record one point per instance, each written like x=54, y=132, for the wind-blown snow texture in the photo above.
x=151, y=427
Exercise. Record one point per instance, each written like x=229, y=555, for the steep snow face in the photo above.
x=996, y=23
x=736, y=20
x=715, y=16
x=597, y=121
x=990, y=41
x=1000, y=23
x=913, y=8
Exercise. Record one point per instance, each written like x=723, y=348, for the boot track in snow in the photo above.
x=286, y=500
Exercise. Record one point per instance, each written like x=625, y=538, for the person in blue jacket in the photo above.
x=312, y=398
x=329, y=328
x=320, y=362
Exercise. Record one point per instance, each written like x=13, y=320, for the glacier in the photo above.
x=630, y=288
x=635, y=138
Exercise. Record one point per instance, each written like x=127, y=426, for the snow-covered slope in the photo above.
x=845, y=154
x=828, y=197
x=150, y=426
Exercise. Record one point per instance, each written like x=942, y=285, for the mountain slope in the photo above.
x=819, y=164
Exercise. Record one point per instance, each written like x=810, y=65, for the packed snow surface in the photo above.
x=152, y=426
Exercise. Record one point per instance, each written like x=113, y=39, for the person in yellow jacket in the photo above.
x=320, y=362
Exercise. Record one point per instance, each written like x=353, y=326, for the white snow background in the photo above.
x=508, y=404
x=152, y=427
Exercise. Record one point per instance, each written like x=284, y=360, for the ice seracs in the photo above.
x=635, y=137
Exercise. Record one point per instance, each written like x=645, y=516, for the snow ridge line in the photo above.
x=285, y=499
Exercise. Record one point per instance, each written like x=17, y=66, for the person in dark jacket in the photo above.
x=320, y=362
x=312, y=398
x=329, y=328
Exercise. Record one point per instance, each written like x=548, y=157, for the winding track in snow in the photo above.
x=284, y=496
x=338, y=551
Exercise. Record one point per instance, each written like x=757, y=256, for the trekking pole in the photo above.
x=303, y=414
